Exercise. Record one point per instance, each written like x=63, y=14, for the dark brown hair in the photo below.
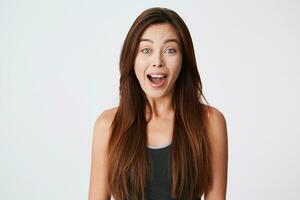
x=127, y=148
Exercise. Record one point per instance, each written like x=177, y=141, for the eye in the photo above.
x=170, y=50
x=146, y=50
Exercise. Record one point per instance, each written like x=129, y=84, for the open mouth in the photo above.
x=157, y=80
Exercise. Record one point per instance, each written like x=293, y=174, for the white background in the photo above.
x=59, y=70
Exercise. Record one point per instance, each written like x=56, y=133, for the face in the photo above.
x=158, y=61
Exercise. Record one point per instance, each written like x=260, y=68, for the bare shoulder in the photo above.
x=102, y=126
x=105, y=119
x=217, y=126
x=216, y=119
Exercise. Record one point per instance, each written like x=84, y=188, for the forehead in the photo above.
x=160, y=32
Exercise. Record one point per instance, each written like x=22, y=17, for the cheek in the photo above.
x=139, y=68
x=175, y=65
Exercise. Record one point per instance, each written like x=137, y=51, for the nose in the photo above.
x=157, y=61
x=154, y=65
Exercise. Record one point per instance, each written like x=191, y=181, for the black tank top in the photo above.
x=160, y=182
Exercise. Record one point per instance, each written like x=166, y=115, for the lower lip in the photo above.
x=157, y=85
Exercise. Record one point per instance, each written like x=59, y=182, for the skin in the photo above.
x=159, y=51
x=154, y=56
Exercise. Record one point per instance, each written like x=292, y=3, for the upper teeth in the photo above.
x=157, y=75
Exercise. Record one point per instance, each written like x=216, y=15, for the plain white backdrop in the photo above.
x=59, y=70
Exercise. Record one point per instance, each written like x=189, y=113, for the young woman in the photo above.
x=161, y=142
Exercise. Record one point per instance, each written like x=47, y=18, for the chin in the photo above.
x=155, y=94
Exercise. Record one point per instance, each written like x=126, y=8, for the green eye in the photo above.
x=171, y=50
x=146, y=50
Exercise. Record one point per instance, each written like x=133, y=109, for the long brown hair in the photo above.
x=127, y=148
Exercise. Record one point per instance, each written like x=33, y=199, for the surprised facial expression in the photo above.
x=158, y=61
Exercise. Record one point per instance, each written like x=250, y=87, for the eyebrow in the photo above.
x=166, y=41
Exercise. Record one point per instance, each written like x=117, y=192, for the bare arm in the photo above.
x=98, y=187
x=219, y=143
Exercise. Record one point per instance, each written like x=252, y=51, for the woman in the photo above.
x=162, y=141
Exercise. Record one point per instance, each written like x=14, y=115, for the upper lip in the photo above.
x=157, y=73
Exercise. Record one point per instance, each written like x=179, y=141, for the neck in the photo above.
x=161, y=107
